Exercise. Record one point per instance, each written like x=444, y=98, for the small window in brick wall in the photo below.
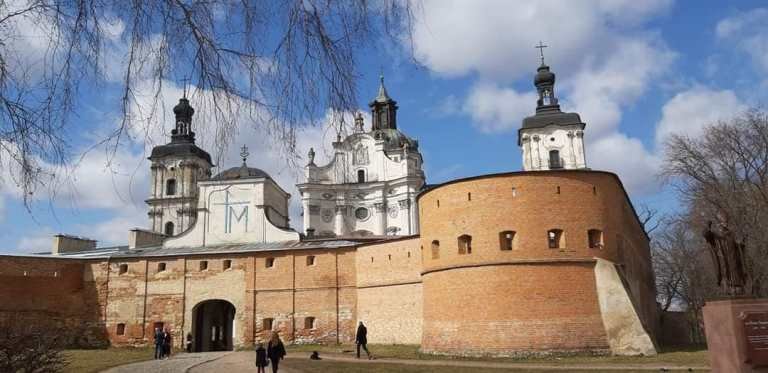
x=266, y=324
x=311, y=260
x=556, y=239
x=203, y=265
x=309, y=322
x=269, y=263
x=227, y=264
x=160, y=267
x=595, y=237
x=507, y=240
x=123, y=269
x=465, y=244
x=435, y=249
x=120, y=329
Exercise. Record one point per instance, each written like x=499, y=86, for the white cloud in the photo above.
x=748, y=32
x=495, y=38
x=628, y=158
x=40, y=241
x=688, y=112
x=497, y=109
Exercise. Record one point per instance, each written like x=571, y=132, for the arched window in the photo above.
x=170, y=187
x=595, y=237
x=435, y=249
x=507, y=240
x=556, y=239
x=554, y=159
x=360, y=176
x=169, y=228
x=465, y=244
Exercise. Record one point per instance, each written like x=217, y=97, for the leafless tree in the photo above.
x=649, y=218
x=281, y=64
x=722, y=177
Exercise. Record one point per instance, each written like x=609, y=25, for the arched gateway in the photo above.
x=213, y=324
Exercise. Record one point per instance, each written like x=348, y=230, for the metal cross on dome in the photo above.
x=541, y=47
x=244, y=153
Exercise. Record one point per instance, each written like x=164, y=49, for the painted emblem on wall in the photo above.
x=360, y=156
x=235, y=212
x=392, y=211
x=327, y=215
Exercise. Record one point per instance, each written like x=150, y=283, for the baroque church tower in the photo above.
x=551, y=139
x=369, y=188
x=176, y=169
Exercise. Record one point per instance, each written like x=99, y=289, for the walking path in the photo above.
x=179, y=363
x=230, y=362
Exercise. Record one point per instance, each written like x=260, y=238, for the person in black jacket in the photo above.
x=361, y=339
x=167, y=341
x=261, y=358
x=159, y=351
x=275, y=351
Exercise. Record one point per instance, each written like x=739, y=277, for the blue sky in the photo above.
x=636, y=71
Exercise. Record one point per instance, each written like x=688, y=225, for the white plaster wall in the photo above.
x=538, y=142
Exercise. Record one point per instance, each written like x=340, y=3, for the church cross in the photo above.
x=541, y=47
x=244, y=153
x=185, y=80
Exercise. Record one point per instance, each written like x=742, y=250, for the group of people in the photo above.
x=163, y=341
x=275, y=350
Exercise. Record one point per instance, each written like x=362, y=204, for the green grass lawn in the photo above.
x=308, y=366
x=693, y=356
x=91, y=361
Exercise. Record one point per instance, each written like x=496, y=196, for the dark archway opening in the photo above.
x=213, y=324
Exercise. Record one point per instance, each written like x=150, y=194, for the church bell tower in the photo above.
x=176, y=169
x=551, y=139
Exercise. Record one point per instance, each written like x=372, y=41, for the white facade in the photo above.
x=541, y=145
x=382, y=202
x=236, y=211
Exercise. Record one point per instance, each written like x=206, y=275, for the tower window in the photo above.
x=169, y=228
x=120, y=329
x=160, y=267
x=227, y=264
x=554, y=159
x=506, y=240
x=122, y=269
x=595, y=237
x=170, y=187
x=556, y=239
x=269, y=263
x=465, y=244
x=360, y=176
x=311, y=260
x=435, y=249
x=203, y=265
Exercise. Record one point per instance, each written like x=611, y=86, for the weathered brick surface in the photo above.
x=531, y=298
x=389, y=296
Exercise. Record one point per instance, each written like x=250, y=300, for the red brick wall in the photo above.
x=531, y=298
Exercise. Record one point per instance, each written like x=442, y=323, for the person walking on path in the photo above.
x=261, y=358
x=167, y=340
x=158, y=344
x=275, y=351
x=361, y=339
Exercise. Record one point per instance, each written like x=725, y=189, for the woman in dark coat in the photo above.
x=167, y=340
x=275, y=351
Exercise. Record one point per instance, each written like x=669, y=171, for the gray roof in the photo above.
x=241, y=172
x=179, y=149
x=552, y=117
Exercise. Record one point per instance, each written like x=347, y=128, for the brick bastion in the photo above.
x=534, y=262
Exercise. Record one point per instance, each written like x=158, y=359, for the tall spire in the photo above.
x=383, y=109
x=545, y=85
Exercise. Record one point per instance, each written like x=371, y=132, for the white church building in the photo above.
x=369, y=187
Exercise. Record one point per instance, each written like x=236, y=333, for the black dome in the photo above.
x=544, y=76
x=241, y=172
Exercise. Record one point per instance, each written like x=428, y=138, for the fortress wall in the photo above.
x=54, y=293
x=389, y=291
x=551, y=290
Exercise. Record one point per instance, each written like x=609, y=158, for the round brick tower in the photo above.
x=509, y=262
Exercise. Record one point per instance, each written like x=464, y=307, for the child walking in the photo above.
x=261, y=358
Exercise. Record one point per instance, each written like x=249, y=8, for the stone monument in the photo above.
x=737, y=326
